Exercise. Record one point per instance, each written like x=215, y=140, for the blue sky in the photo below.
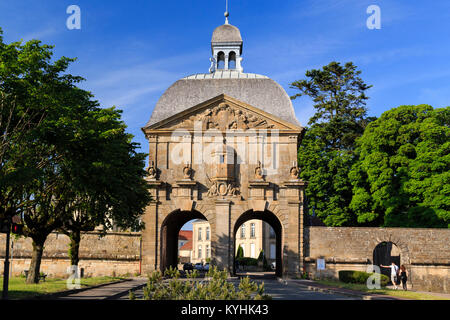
x=131, y=51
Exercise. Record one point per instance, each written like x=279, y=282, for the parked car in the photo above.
x=206, y=267
x=198, y=266
x=188, y=266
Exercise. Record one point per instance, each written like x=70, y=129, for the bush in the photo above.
x=350, y=276
x=240, y=252
x=216, y=287
x=246, y=261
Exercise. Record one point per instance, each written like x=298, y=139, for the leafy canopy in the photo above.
x=327, y=149
x=402, y=178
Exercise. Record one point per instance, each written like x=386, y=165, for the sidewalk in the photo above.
x=108, y=291
x=314, y=286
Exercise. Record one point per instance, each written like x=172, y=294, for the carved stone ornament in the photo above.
x=258, y=172
x=187, y=171
x=222, y=188
x=295, y=170
x=151, y=170
x=223, y=117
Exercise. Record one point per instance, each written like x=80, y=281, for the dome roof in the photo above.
x=258, y=91
x=226, y=33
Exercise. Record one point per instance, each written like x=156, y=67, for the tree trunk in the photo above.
x=74, y=247
x=35, y=266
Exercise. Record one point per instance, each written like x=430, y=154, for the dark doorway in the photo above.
x=169, y=236
x=273, y=221
x=384, y=254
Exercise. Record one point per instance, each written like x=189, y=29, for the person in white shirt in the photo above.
x=394, y=271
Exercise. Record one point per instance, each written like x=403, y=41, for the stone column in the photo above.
x=150, y=236
x=150, y=239
x=294, y=242
x=226, y=62
x=221, y=236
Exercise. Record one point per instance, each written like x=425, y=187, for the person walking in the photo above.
x=394, y=271
x=404, y=276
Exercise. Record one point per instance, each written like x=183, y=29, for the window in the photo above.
x=221, y=60
x=199, y=252
x=232, y=60
x=271, y=233
x=272, y=251
x=199, y=234
x=252, y=250
x=222, y=159
x=252, y=230
x=207, y=233
x=208, y=251
x=243, y=231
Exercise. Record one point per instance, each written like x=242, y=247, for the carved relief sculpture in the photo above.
x=187, y=171
x=224, y=117
x=151, y=170
x=258, y=172
x=295, y=170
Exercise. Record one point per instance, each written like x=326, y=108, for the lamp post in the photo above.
x=6, y=263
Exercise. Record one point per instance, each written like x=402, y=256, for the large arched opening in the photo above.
x=384, y=254
x=170, y=230
x=272, y=220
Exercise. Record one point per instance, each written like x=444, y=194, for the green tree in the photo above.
x=402, y=177
x=108, y=183
x=326, y=153
x=240, y=252
x=52, y=148
x=28, y=80
x=78, y=168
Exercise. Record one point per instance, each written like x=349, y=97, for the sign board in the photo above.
x=320, y=264
x=4, y=226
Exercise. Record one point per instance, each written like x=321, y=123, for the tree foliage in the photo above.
x=402, y=178
x=66, y=163
x=29, y=87
x=240, y=252
x=327, y=149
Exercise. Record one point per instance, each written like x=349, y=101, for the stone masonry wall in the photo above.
x=113, y=254
x=425, y=252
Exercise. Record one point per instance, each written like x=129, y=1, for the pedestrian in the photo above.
x=394, y=270
x=404, y=276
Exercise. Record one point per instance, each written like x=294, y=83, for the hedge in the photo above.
x=246, y=261
x=350, y=276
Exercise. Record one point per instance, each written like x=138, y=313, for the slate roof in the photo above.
x=256, y=90
x=226, y=33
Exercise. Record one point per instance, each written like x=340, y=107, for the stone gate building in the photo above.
x=223, y=147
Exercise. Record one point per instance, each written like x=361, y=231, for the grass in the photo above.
x=18, y=289
x=400, y=293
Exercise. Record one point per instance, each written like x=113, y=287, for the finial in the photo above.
x=227, y=14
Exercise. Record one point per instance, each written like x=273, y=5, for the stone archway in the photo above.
x=274, y=222
x=169, y=235
x=384, y=254
x=388, y=237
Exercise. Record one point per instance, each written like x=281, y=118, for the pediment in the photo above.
x=223, y=113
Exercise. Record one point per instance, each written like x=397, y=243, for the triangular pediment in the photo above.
x=223, y=113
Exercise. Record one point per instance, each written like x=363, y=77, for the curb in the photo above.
x=55, y=295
